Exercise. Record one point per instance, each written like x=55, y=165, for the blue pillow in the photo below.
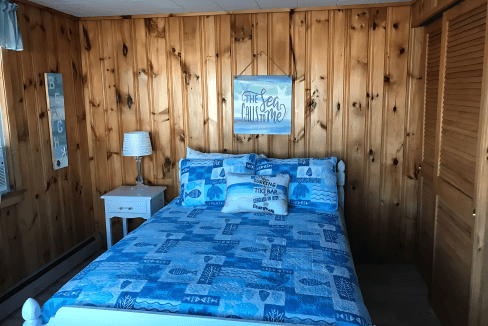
x=202, y=182
x=313, y=181
x=193, y=154
x=257, y=194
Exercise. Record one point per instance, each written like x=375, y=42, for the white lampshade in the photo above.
x=137, y=143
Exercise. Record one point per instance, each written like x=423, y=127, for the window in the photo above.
x=4, y=184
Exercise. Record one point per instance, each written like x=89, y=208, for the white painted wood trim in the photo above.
x=341, y=181
x=31, y=312
x=95, y=316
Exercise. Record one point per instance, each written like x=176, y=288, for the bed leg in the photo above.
x=31, y=312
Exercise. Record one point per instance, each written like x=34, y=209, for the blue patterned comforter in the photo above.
x=197, y=260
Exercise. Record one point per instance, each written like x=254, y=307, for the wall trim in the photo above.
x=48, y=9
x=260, y=11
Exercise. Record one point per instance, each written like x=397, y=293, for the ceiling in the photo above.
x=89, y=8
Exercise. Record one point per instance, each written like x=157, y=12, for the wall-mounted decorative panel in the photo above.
x=352, y=76
x=57, y=119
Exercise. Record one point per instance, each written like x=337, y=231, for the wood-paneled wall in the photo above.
x=57, y=210
x=423, y=10
x=357, y=74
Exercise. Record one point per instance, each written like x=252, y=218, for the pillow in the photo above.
x=192, y=154
x=202, y=182
x=313, y=181
x=257, y=194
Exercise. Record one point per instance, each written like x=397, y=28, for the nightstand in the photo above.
x=125, y=202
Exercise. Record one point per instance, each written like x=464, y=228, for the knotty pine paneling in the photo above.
x=57, y=210
x=352, y=72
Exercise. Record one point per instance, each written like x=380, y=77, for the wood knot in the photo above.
x=395, y=161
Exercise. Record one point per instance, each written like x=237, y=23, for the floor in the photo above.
x=394, y=294
x=15, y=318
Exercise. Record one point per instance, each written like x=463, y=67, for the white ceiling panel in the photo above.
x=88, y=8
x=316, y=3
x=272, y=4
x=198, y=5
x=241, y=5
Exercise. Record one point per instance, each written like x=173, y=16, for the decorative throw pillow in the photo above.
x=193, y=154
x=202, y=182
x=313, y=181
x=257, y=194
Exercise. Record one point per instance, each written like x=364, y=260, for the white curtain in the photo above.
x=10, y=37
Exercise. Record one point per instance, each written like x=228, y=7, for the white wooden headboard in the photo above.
x=341, y=182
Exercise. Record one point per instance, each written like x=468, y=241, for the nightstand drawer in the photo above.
x=127, y=206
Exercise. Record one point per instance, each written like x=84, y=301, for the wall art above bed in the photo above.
x=262, y=104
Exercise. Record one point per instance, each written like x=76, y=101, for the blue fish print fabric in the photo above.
x=202, y=182
x=257, y=194
x=293, y=269
x=313, y=180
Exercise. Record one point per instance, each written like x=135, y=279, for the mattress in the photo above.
x=196, y=260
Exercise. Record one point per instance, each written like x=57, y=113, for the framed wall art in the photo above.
x=57, y=120
x=262, y=104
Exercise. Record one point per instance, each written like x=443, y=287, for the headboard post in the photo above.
x=341, y=182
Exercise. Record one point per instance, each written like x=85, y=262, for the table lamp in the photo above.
x=137, y=144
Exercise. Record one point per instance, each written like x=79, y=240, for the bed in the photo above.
x=242, y=268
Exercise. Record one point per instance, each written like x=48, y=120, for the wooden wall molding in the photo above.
x=260, y=11
x=41, y=7
x=423, y=10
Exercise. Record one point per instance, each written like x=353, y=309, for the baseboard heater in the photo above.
x=37, y=282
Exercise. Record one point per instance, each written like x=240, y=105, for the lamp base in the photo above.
x=139, y=180
x=139, y=186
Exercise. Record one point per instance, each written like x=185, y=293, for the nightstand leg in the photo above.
x=109, y=231
x=124, y=223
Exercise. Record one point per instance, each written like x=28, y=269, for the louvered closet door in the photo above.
x=433, y=34
x=459, y=102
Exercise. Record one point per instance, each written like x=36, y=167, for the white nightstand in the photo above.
x=126, y=202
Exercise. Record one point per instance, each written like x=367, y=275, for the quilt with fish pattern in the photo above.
x=196, y=260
